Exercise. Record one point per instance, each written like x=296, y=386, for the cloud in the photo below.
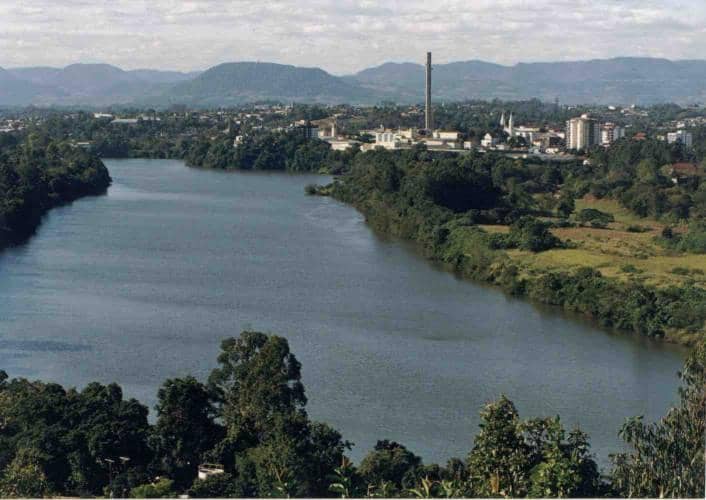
x=342, y=35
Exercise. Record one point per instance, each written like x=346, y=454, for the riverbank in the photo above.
x=672, y=311
x=36, y=177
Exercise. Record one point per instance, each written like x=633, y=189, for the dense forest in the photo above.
x=38, y=173
x=249, y=419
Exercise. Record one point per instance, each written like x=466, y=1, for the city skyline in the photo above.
x=343, y=37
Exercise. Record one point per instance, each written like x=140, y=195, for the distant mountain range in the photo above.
x=625, y=80
x=84, y=84
x=619, y=81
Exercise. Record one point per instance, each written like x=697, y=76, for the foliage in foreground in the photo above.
x=667, y=457
x=251, y=418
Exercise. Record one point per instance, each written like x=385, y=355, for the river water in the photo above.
x=143, y=283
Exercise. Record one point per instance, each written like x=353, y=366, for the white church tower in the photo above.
x=511, y=126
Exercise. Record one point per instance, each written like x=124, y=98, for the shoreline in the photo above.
x=501, y=273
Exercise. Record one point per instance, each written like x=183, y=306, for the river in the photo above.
x=142, y=284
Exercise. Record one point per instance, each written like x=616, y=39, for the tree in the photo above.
x=565, y=469
x=498, y=463
x=25, y=477
x=532, y=234
x=324, y=448
x=257, y=380
x=594, y=217
x=215, y=486
x=185, y=428
x=280, y=469
x=114, y=431
x=566, y=205
x=667, y=457
x=345, y=480
x=164, y=488
x=390, y=462
x=270, y=440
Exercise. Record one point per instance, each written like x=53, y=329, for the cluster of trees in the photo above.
x=203, y=144
x=636, y=174
x=249, y=417
x=596, y=218
x=290, y=151
x=527, y=233
x=510, y=458
x=694, y=240
x=250, y=420
x=38, y=173
x=438, y=201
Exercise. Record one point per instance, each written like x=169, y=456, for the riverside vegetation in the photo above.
x=541, y=231
x=37, y=173
x=616, y=240
x=250, y=418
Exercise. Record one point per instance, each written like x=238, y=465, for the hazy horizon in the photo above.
x=420, y=63
x=345, y=36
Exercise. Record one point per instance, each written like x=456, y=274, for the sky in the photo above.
x=343, y=36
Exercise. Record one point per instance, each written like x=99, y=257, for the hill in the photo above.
x=89, y=84
x=617, y=81
x=16, y=92
x=234, y=83
x=625, y=80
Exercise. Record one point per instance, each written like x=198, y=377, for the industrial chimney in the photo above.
x=428, y=122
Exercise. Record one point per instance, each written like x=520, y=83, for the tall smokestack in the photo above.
x=428, y=122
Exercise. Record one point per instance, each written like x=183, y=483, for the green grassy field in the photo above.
x=615, y=251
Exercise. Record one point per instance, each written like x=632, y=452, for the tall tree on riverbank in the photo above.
x=185, y=428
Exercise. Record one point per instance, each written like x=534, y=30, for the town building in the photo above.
x=582, y=132
x=308, y=130
x=446, y=136
x=488, y=141
x=390, y=140
x=686, y=138
x=680, y=172
x=529, y=134
x=208, y=470
x=124, y=121
x=327, y=129
x=610, y=132
x=342, y=144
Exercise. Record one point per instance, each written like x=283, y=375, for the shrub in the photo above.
x=594, y=217
x=531, y=234
x=682, y=271
x=216, y=486
x=160, y=489
x=527, y=233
